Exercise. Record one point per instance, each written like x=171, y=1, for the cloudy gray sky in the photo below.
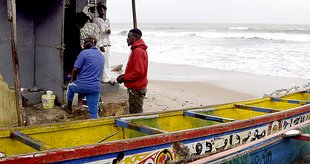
x=211, y=11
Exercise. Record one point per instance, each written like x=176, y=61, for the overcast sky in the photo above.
x=211, y=11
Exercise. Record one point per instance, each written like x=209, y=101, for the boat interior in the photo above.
x=23, y=140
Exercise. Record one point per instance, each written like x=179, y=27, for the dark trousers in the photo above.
x=135, y=100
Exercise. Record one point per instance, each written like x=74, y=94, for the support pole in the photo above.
x=11, y=6
x=134, y=16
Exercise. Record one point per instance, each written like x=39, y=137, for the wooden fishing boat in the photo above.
x=285, y=147
x=155, y=137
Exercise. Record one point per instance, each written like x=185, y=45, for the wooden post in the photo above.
x=11, y=5
x=134, y=16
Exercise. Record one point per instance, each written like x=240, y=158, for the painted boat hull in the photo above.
x=155, y=137
x=272, y=149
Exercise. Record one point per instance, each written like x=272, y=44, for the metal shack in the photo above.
x=45, y=44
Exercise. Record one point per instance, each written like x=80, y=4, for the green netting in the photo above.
x=305, y=148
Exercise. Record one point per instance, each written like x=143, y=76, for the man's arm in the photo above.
x=75, y=72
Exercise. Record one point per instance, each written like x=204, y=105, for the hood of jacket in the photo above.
x=138, y=44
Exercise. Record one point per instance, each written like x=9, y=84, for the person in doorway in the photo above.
x=104, y=40
x=86, y=77
x=87, y=29
x=135, y=77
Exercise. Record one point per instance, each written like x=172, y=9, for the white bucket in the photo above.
x=48, y=100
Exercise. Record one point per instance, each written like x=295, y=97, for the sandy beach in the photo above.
x=177, y=86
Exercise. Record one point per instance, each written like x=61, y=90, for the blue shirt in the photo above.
x=90, y=62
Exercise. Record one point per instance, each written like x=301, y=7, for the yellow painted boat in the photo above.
x=155, y=137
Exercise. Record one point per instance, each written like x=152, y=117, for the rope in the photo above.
x=283, y=92
x=307, y=90
x=276, y=93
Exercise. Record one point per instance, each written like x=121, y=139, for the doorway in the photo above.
x=71, y=38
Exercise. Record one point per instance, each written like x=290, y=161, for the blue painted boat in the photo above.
x=278, y=148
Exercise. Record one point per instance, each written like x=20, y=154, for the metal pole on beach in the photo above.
x=11, y=6
x=134, y=16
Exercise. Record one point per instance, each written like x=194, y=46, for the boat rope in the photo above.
x=283, y=92
x=108, y=137
x=276, y=93
x=308, y=92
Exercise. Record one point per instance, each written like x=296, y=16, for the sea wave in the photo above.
x=238, y=28
x=228, y=35
x=266, y=50
x=294, y=37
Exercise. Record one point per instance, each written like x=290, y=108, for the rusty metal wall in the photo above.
x=24, y=16
x=5, y=46
x=39, y=42
x=48, y=46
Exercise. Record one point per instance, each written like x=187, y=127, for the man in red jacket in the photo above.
x=135, y=77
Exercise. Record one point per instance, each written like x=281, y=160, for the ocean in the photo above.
x=275, y=50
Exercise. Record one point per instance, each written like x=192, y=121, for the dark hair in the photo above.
x=81, y=19
x=137, y=32
x=90, y=39
x=100, y=5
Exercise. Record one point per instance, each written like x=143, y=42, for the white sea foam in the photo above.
x=276, y=50
x=238, y=28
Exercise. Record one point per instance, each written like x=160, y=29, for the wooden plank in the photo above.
x=34, y=143
x=11, y=6
x=134, y=15
x=256, y=108
x=207, y=117
x=138, y=127
x=301, y=102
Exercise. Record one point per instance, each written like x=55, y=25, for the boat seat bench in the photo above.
x=207, y=117
x=301, y=102
x=138, y=127
x=256, y=108
x=29, y=141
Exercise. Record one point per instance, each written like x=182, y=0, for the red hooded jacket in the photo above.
x=135, y=76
